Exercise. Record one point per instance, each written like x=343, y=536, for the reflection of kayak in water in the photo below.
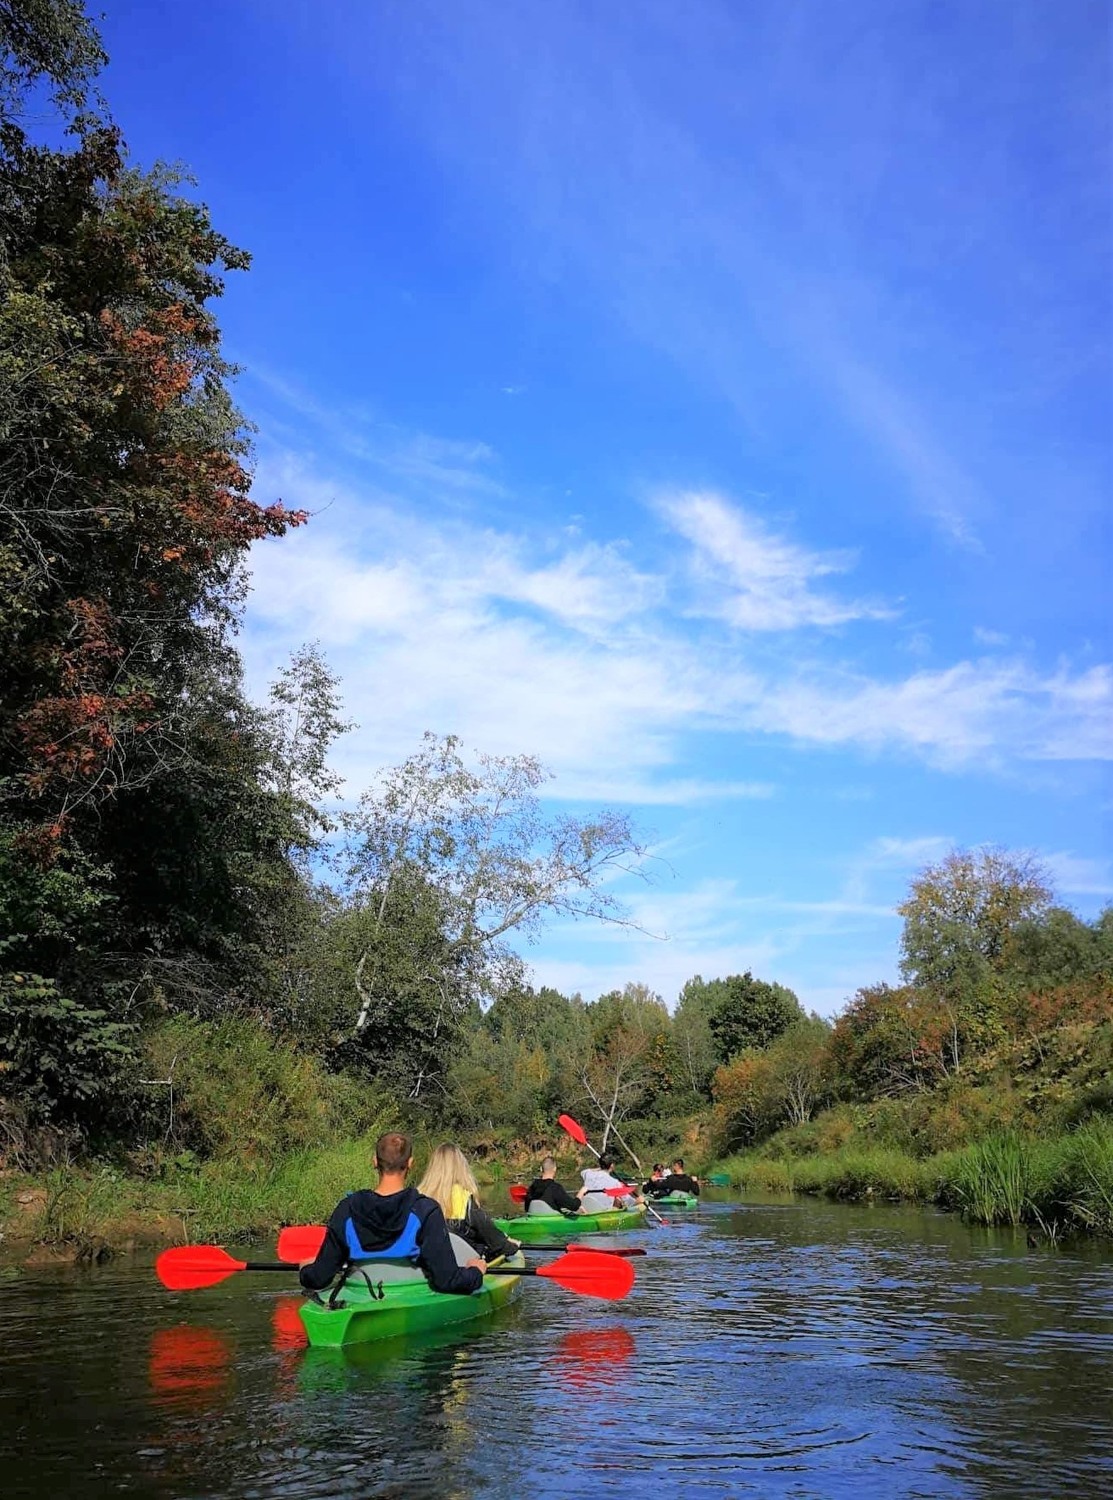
x=588, y=1358
x=544, y=1227
x=368, y=1309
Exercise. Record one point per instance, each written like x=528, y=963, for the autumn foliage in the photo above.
x=125, y=498
x=139, y=821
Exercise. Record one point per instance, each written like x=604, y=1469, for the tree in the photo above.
x=761, y=1090
x=304, y=723
x=748, y=1012
x=1059, y=948
x=132, y=770
x=47, y=39
x=518, y=1066
x=628, y=1067
x=692, y=1039
x=799, y=1069
x=476, y=837
x=959, y=916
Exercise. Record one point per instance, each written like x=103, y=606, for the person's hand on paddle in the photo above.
x=479, y=1263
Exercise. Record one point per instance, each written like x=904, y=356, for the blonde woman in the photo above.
x=449, y=1180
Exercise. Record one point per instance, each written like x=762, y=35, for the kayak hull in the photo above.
x=536, y=1228
x=405, y=1308
x=678, y=1200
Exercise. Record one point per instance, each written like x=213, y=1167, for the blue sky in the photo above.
x=712, y=399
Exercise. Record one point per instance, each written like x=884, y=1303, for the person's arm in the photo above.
x=564, y=1200
x=495, y=1242
x=439, y=1260
x=316, y=1274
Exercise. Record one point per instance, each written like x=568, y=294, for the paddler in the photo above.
x=546, y=1195
x=657, y=1177
x=450, y=1181
x=392, y=1223
x=679, y=1181
x=593, y=1196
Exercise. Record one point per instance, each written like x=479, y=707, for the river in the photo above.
x=775, y=1348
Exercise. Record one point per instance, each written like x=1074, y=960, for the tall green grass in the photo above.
x=992, y=1182
x=1062, y=1183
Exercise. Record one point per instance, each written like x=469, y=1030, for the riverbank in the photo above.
x=1059, y=1185
x=89, y=1212
x=92, y=1211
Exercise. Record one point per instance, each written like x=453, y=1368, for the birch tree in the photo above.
x=474, y=838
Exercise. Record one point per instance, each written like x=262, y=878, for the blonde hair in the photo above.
x=448, y=1170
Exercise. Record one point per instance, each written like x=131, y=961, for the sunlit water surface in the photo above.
x=773, y=1349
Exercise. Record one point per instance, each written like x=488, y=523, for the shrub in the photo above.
x=65, y=1063
x=237, y=1090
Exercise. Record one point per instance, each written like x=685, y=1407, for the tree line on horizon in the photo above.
x=199, y=950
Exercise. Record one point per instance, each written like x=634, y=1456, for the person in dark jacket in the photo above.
x=653, y=1185
x=678, y=1181
x=546, y=1189
x=392, y=1223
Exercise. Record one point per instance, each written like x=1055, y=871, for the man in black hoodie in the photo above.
x=549, y=1190
x=395, y=1223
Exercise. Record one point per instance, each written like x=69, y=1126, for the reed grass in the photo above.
x=1062, y=1183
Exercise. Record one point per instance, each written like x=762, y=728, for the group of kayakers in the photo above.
x=675, y=1180
x=441, y=1226
x=546, y=1195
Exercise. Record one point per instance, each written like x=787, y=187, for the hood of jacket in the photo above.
x=380, y=1218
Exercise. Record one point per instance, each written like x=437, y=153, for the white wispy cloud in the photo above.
x=579, y=651
x=766, y=582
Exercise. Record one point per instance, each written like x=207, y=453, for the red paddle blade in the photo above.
x=577, y=1132
x=188, y=1267
x=591, y=1274
x=518, y=1193
x=622, y=1191
x=301, y=1242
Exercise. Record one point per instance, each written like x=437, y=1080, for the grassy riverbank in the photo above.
x=90, y=1211
x=1062, y=1184
x=85, y=1212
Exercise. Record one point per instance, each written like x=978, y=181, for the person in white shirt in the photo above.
x=592, y=1195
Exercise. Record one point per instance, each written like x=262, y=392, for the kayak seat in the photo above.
x=597, y=1203
x=543, y=1209
x=388, y=1270
x=461, y=1249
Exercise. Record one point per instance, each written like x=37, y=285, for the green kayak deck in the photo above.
x=395, y=1309
x=678, y=1200
x=534, y=1227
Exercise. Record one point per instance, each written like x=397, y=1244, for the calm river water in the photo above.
x=772, y=1349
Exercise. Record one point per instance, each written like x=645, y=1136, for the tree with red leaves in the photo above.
x=133, y=773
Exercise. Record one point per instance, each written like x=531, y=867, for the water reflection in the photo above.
x=783, y=1348
x=591, y=1359
x=288, y=1329
x=188, y=1366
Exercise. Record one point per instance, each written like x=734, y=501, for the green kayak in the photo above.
x=679, y=1200
x=393, y=1309
x=533, y=1227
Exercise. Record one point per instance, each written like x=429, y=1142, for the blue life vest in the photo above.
x=404, y=1247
